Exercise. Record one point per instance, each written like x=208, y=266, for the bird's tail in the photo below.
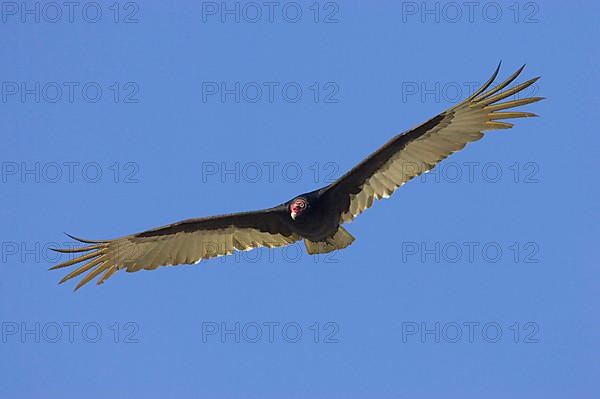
x=341, y=239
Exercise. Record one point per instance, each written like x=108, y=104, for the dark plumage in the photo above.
x=317, y=216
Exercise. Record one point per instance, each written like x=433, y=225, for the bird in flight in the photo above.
x=317, y=216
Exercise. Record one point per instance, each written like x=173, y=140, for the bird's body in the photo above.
x=316, y=223
x=317, y=216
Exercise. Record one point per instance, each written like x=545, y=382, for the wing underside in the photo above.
x=186, y=242
x=420, y=149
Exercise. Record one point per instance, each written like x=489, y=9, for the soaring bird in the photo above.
x=317, y=216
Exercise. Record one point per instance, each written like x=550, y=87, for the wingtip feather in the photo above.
x=78, y=259
x=76, y=249
x=90, y=276
x=85, y=240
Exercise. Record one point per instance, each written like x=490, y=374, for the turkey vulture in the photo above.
x=315, y=217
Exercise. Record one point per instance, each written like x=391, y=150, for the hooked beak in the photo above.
x=293, y=215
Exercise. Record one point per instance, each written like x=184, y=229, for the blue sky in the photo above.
x=478, y=280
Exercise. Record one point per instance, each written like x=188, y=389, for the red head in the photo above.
x=297, y=207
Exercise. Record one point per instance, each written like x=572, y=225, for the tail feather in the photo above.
x=341, y=239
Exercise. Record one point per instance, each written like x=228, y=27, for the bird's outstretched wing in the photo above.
x=418, y=150
x=185, y=242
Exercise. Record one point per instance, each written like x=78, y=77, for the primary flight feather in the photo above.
x=314, y=217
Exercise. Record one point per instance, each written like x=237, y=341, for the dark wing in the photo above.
x=420, y=149
x=188, y=241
